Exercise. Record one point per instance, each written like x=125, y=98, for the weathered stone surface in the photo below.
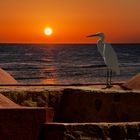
x=23, y=123
x=133, y=83
x=5, y=102
x=99, y=106
x=72, y=105
x=91, y=131
x=34, y=98
x=28, y=98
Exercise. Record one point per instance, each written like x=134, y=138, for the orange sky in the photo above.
x=23, y=21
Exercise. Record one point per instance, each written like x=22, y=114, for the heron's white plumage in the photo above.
x=107, y=52
x=110, y=58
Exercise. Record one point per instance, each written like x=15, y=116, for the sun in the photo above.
x=48, y=31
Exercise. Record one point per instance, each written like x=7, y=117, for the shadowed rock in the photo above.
x=6, y=78
x=5, y=102
x=133, y=83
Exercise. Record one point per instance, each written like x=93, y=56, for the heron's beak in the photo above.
x=94, y=35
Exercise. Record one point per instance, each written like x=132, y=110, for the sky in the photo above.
x=24, y=21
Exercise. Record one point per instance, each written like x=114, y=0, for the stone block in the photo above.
x=23, y=123
x=96, y=106
x=91, y=131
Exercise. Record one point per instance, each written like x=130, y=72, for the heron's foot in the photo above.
x=108, y=86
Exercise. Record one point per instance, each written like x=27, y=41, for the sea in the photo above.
x=66, y=63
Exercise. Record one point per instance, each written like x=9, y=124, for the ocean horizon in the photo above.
x=66, y=63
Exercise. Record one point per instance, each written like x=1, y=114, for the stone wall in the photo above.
x=99, y=106
x=74, y=105
x=91, y=131
x=23, y=123
x=91, y=109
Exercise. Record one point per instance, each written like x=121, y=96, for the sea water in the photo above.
x=66, y=63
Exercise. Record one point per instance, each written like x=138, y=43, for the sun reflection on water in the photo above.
x=49, y=81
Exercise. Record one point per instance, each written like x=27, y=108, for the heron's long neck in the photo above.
x=102, y=39
x=100, y=43
x=100, y=46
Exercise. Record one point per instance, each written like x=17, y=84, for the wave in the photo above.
x=130, y=65
x=67, y=63
x=21, y=68
x=29, y=78
x=91, y=66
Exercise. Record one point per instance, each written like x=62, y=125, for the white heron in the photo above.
x=109, y=56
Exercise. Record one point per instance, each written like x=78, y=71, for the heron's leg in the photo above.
x=107, y=77
x=110, y=77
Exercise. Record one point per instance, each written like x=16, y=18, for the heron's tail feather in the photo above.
x=117, y=70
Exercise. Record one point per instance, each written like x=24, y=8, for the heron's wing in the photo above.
x=110, y=58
